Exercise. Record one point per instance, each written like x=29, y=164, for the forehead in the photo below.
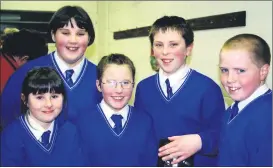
x=71, y=24
x=169, y=34
x=117, y=71
x=236, y=57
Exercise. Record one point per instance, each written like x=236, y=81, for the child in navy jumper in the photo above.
x=113, y=132
x=72, y=31
x=246, y=138
x=41, y=136
x=185, y=105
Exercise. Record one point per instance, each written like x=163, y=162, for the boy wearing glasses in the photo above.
x=113, y=133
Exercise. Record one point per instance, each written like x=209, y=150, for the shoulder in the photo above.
x=91, y=64
x=141, y=115
x=148, y=80
x=14, y=129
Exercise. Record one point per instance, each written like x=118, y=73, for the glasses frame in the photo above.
x=113, y=84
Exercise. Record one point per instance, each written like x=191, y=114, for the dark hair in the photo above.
x=118, y=59
x=29, y=43
x=64, y=15
x=41, y=80
x=174, y=23
x=252, y=43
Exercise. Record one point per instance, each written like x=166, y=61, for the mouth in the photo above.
x=117, y=98
x=72, y=48
x=233, y=89
x=167, y=61
x=48, y=111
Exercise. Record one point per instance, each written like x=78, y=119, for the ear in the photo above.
x=264, y=71
x=24, y=58
x=53, y=36
x=98, y=85
x=23, y=98
x=189, y=49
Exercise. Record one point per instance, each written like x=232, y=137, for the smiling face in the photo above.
x=239, y=75
x=116, y=97
x=170, y=50
x=44, y=108
x=71, y=43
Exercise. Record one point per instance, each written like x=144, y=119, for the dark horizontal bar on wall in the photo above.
x=235, y=19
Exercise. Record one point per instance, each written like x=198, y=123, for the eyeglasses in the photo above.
x=124, y=84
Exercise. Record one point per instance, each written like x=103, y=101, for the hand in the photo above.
x=180, y=147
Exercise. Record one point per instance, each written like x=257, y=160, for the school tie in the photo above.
x=45, y=138
x=234, y=110
x=169, y=89
x=68, y=75
x=118, y=125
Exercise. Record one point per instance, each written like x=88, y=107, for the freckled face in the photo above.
x=116, y=97
x=170, y=50
x=239, y=75
x=71, y=43
x=44, y=108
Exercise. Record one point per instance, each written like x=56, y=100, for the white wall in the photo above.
x=111, y=16
x=122, y=15
x=89, y=6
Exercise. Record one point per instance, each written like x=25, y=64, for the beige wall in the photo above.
x=89, y=6
x=111, y=16
x=127, y=15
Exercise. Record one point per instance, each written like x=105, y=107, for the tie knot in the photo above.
x=116, y=118
x=168, y=83
x=69, y=73
x=235, y=105
x=45, y=137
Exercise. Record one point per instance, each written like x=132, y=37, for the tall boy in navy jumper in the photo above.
x=72, y=31
x=41, y=136
x=186, y=106
x=114, y=133
x=246, y=138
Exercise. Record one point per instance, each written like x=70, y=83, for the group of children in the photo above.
x=62, y=110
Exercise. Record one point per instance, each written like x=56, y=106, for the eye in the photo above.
x=223, y=70
x=126, y=82
x=65, y=33
x=39, y=97
x=240, y=70
x=157, y=45
x=81, y=34
x=173, y=44
x=55, y=96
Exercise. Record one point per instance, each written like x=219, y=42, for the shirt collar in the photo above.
x=63, y=66
x=36, y=129
x=258, y=92
x=108, y=112
x=174, y=78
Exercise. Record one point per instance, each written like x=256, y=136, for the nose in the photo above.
x=119, y=88
x=48, y=103
x=165, y=50
x=231, y=77
x=72, y=38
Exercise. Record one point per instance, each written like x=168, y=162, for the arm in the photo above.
x=206, y=142
x=11, y=100
x=213, y=108
x=12, y=150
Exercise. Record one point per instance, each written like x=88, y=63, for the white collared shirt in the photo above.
x=108, y=112
x=36, y=129
x=258, y=92
x=63, y=66
x=176, y=79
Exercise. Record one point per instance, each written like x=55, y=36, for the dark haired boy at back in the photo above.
x=114, y=133
x=246, y=138
x=19, y=48
x=41, y=136
x=185, y=105
x=72, y=31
